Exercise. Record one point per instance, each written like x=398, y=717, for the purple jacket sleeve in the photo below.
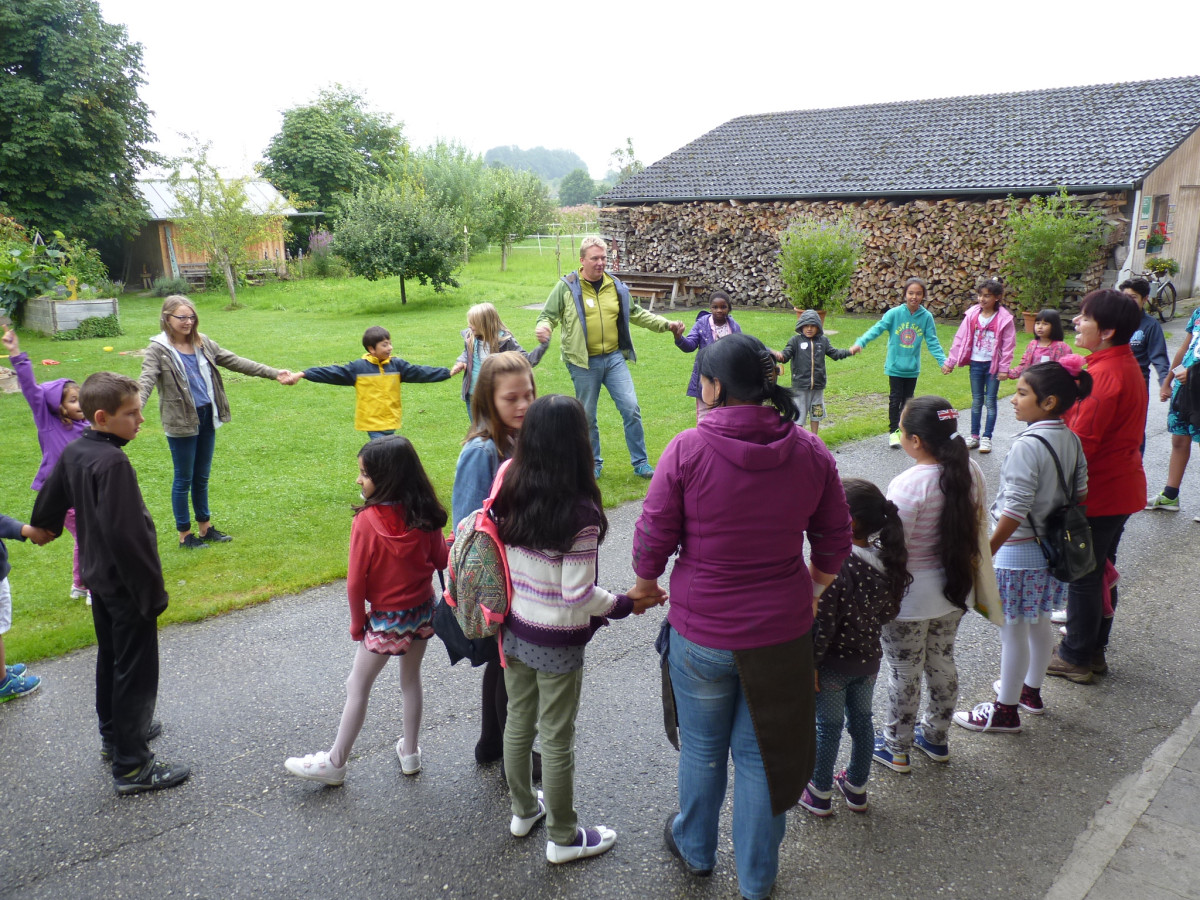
x=829, y=532
x=35, y=395
x=659, y=528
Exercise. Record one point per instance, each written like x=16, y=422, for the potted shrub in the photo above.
x=1157, y=237
x=1050, y=239
x=817, y=260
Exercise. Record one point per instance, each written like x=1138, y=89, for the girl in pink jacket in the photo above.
x=986, y=340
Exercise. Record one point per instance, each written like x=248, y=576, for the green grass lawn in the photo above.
x=283, y=475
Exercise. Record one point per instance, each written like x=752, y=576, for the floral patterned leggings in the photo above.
x=908, y=649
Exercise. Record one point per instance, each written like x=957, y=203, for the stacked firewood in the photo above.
x=951, y=243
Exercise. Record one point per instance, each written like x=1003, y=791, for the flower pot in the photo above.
x=1030, y=318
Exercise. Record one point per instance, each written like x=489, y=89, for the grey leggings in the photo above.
x=908, y=649
x=367, y=666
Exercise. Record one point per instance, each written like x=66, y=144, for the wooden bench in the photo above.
x=194, y=273
x=656, y=285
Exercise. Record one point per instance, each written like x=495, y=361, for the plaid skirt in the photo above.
x=392, y=633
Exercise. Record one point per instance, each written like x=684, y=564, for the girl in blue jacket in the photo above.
x=907, y=327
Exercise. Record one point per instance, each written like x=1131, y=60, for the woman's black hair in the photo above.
x=935, y=422
x=1113, y=310
x=1050, y=379
x=746, y=370
x=392, y=463
x=876, y=517
x=551, y=472
x=1051, y=317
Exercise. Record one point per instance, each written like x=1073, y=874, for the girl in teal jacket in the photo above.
x=908, y=326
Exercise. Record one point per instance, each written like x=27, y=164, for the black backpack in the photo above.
x=1066, y=538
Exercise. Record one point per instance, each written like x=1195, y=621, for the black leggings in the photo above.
x=902, y=390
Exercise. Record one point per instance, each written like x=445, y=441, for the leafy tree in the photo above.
x=520, y=204
x=328, y=149
x=625, y=161
x=549, y=164
x=73, y=130
x=1049, y=240
x=214, y=215
x=456, y=180
x=387, y=231
x=576, y=188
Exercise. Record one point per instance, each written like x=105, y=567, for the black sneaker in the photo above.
x=191, y=542
x=215, y=537
x=106, y=749
x=154, y=776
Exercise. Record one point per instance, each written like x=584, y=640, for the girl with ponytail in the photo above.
x=1029, y=492
x=846, y=650
x=940, y=503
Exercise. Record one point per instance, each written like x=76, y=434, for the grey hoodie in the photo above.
x=807, y=356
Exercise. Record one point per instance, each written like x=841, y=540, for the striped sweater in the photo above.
x=555, y=599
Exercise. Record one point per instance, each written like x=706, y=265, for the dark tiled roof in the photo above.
x=1098, y=136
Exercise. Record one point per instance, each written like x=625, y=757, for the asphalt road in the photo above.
x=242, y=692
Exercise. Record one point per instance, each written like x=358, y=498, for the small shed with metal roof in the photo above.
x=157, y=252
x=1131, y=149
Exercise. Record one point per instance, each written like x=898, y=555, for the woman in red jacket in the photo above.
x=1110, y=424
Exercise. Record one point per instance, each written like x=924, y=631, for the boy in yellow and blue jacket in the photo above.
x=377, y=377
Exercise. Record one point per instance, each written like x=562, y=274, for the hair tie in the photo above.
x=945, y=415
x=1073, y=364
x=957, y=435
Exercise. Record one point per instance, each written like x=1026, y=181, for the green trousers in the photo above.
x=542, y=703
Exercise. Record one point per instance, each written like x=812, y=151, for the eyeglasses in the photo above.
x=183, y=318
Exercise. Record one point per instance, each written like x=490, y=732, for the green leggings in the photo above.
x=542, y=703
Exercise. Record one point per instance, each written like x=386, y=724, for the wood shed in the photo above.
x=928, y=183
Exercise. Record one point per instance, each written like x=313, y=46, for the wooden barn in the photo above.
x=157, y=252
x=928, y=184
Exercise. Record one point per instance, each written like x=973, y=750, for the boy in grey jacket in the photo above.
x=807, y=351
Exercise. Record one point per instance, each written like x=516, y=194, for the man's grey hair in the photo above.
x=591, y=241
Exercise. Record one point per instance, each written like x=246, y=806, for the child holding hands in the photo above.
x=807, y=351
x=985, y=341
x=1047, y=344
x=846, y=649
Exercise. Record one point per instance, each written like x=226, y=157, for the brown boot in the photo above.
x=1063, y=669
x=1099, y=665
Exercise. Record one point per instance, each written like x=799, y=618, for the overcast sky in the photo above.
x=586, y=77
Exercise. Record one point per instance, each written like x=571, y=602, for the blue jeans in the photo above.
x=714, y=721
x=845, y=697
x=984, y=388
x=612, y=372
x=374, y=435
x=192, y=457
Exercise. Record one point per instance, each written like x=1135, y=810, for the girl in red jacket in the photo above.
x=395, y=546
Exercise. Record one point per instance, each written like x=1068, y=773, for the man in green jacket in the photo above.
x=595, y=310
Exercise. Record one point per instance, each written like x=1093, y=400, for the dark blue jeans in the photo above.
x=984, y=388
x=192, y=457
x=844, y=698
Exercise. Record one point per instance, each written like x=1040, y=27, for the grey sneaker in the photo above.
x=154, y=776
x=973, y=442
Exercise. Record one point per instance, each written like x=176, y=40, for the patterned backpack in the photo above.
x=480, y=588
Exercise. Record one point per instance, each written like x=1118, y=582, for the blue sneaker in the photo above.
x=17, y=685
x=643, y=470
x=897, y=762
x=596, y=471
x=16, y=669
x=936, y=752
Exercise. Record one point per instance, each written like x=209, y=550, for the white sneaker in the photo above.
x=972, y=442
x=409, y=765
x=316, y=767
x=1059, y=617
x=78, y=593
x=522, y=826
x=558, y=853
x=985, y=445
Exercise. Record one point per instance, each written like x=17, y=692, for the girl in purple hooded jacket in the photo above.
x=711, y=325
x=59, y=420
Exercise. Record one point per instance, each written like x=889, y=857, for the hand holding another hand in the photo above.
x=676, y=328
x=646, y=593
x=855, y=349
x=457, y=367
x=39, y=536
x=542, y=333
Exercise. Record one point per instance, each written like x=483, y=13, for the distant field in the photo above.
x=283, y=476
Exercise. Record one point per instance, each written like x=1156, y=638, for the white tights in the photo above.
x=366, y=669
x=1025, y=649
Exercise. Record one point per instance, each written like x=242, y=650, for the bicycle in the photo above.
x=1161, y=301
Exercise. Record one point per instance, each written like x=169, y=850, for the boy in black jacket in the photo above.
x=118, y=555
x=807, y=351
